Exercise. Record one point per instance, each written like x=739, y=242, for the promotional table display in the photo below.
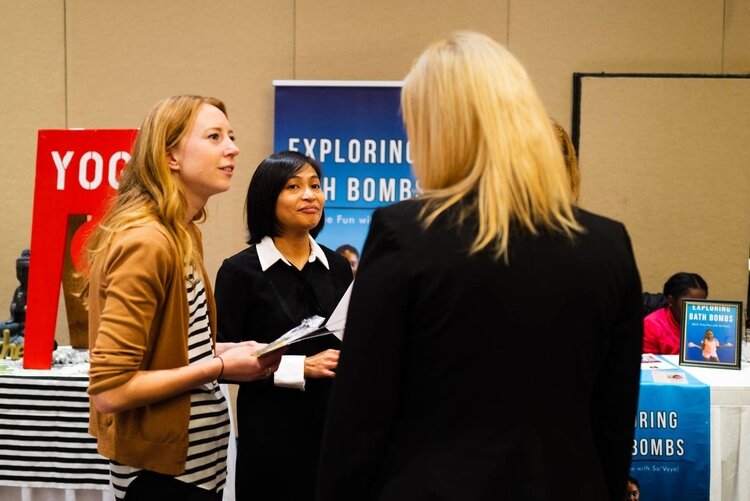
x=671, y=449
x=711, y=334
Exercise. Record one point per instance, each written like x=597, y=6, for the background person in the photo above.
x=571, y=159
x=351, y=255
x=661, y=327
x=262, y=292
x=633, y=490
x=156, y=407
x=432, y=399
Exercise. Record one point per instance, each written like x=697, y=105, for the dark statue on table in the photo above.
x=13, y=328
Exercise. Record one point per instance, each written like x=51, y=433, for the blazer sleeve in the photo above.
x=366, y=388
x=615, y=392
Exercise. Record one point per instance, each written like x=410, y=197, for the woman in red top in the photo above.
x=661, y=328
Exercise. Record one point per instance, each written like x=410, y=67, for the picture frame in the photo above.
x=711, y=333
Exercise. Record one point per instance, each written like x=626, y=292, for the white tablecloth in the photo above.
x=730, y=429
x=51, y=494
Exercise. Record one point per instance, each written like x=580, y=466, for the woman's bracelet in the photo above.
x=221, y=372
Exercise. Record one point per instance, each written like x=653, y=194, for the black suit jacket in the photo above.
x=465, y=378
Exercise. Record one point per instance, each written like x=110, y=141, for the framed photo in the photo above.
x=711, y=333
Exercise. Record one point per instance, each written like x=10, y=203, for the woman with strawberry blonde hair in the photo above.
x=156, y=408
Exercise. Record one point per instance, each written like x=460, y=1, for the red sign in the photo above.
x=76, y=172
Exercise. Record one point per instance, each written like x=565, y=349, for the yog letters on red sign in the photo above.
x=77, y=171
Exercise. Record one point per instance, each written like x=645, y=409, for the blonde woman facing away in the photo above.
x=156, y=408
x=435, y=397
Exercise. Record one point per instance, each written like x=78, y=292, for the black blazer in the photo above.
x=463, y=378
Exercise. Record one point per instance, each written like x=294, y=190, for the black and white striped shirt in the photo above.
x=206, y=465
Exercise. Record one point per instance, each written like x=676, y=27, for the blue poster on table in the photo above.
x=671, y=450
x=354, y=130
x=711, y=333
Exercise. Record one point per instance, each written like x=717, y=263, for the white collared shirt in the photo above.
x=268, y=254
x=291, y=371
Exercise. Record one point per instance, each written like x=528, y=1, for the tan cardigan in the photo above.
x=138, y=320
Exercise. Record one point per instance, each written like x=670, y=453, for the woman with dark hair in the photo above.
x=661, y=328
x=351, y=254
x=633, y=490
x=262, y=292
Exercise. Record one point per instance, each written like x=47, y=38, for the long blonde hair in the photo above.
x=149, y=191
x=476, y=126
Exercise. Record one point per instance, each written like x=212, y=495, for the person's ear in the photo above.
x=174, y=164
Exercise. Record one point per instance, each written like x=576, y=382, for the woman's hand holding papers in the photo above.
x=241, y=364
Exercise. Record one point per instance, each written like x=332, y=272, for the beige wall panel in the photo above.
x=556, y=39
x=737, y=37
x=32, y=83
x=123, y=56
x=676, y=175
x=103, y=63
x=361, y=40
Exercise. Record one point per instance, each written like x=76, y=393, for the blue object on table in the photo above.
x=671, y=450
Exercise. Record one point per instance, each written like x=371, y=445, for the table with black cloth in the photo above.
x=46, y=452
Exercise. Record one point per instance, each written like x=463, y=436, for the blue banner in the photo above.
x=671, y=449
x=355, y=131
